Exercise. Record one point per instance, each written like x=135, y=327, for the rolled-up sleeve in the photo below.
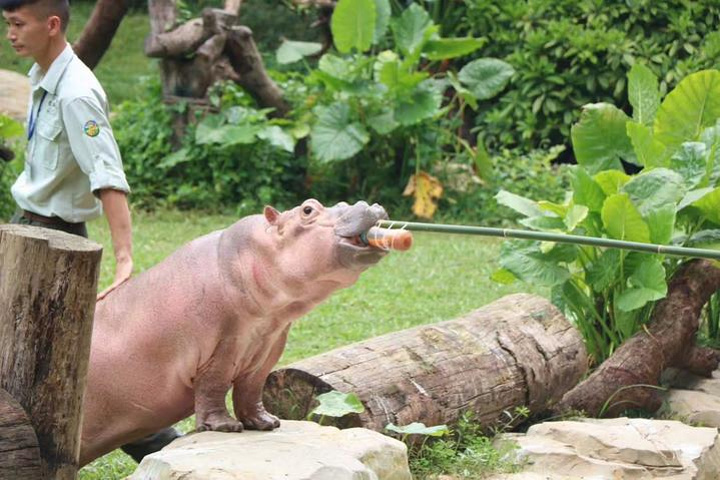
x=93, y=145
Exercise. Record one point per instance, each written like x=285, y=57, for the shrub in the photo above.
x=567, y=53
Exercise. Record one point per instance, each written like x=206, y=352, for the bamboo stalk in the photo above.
x=553, y=237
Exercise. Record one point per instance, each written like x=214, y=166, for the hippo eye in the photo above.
x=307, y=210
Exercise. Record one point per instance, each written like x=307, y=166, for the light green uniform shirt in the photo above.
x=72, y=153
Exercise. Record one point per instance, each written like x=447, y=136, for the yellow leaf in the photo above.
x=427, y=190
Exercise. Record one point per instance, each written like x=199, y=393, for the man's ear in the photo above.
x=54, y=25
x=271, y=215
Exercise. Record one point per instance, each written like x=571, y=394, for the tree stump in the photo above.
x=517, y=351
x=48, y=284
x=19, y=451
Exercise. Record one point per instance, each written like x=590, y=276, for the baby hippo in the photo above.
x=214, y=315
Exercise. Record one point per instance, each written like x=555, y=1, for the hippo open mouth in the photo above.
x=352, y=222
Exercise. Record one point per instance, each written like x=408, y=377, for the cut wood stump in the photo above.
x=48, y=284
x=19, y=450
x=517, y=351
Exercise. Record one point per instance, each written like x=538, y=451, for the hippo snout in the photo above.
x=352, y=221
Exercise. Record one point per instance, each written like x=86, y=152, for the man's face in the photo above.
x=27, y=33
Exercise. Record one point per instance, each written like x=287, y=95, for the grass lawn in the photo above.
x=122, y=67
x=441, y=277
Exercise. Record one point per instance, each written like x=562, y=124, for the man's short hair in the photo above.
x=43, y=8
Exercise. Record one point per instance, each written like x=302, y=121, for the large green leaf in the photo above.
x=600, y=138
x=210, y=130
x=604, y=270
x=486, y=77
x=338, y=404
x=382, y=19
x=649, y=152
x=410, y=29
x=623, y=221
x=423, y=103
x=277, y=137
x=690, y=108
x=392, y=73
x=611, y=181
x=711, y=138
x=522, y=205
x=417, y=428
x=690, y=161
x=661, y=223
x=693, y=196
x=587, y=191
x=335, y=136
x=443, y=48
x=10, y=128
x=293, y=51
x=353, y=25
x=709, y=206
x=643, y=93
x=654, y=189
x=527, y=262
x=647, y=284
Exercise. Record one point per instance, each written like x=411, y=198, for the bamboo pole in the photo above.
x=553, y=237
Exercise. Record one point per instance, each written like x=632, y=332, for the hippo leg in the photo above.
x=247, y=391
x=210, y=410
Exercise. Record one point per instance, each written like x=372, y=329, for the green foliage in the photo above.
x=466, y=452
x=375, y=118
x=674, y=199
x=572, y=53
x=10, y=137
x=234, y=159
x=336, y=404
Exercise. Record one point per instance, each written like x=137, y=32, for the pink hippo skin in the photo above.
x=214, y=315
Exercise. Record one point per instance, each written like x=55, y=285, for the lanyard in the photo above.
x=32, y=123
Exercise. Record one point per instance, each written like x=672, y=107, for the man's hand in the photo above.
x=117, y=212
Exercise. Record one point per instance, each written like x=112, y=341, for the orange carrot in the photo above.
x=389, y=239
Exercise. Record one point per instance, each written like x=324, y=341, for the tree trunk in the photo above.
x=669, y=341
x=19, y=451
x=517, y=351
x=48, y=283
x=98, y=33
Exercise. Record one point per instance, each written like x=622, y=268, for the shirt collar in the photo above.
x=51, y=78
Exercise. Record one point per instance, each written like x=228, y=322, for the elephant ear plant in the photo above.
x=674, y=200
x=387, y=104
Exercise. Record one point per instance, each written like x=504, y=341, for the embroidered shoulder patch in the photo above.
x=91, y=128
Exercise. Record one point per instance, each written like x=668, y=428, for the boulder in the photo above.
x=693, y=406
x=14, y=95
x=297, y=450
x=616, y=449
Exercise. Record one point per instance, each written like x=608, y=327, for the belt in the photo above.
x=36, y=217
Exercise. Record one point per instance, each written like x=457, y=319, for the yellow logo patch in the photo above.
x=91, y=128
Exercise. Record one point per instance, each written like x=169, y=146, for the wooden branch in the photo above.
x=517, y=351
x=99, y=31
x=48, y=283
x=668, y=342
x=246, y=61
x=179, y=42
x=19, y=450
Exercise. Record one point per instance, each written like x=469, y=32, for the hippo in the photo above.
x=215, y=315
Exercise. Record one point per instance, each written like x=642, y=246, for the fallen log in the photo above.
x=517, y=351
x=626, y=379
x=48, y=284
x=19, y=450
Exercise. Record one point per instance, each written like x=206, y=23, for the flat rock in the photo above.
x=297, y=450
x=14, y=94
x=694, y=406
x=620, y=448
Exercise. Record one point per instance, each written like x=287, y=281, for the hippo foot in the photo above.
x=261, y=421
x=220, y=423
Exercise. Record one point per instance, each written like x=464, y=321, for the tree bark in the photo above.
x=98, y=33
x=620, y=382
x=19, y=451
x=517, y=351
x=48, y=283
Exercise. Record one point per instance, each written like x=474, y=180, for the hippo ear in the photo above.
x=271, y=215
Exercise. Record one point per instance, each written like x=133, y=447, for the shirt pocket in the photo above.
x=47, y=148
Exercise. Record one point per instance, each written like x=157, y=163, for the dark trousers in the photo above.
x=139, y=448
